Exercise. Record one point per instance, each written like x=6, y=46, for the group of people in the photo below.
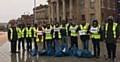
x=59, y=35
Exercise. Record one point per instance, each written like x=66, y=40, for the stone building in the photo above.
x=99, y=9
x=41, y=12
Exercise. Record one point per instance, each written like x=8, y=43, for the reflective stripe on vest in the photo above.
x=57, y=30
x=84, y=28
x=73, y=30
x=35, y=31
x=114, y=29
x=11, y=33
x=66, y=28
x=48, y=34
x=20, y=32
x=28, y=32
x=95, y=32
x=40, y=32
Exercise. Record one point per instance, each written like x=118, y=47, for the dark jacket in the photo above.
x=14, y=34
x=110, y=36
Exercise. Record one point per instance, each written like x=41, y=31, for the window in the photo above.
x=92, y=4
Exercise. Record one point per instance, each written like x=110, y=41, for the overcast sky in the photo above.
x=12, y=9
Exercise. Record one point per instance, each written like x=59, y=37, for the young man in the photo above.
x=21, y=36
x=13, y=36
x=95, y=31
x=29, y=35
x=83, y=32
x=111, y=35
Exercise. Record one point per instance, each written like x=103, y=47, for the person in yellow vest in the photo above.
x=43, y=28
x=12, y=37
x=21, y=36
x=64, y=34
x=83, y=32
x=39, y=38
x=95, y=31
x=35, y=29
x=29, y=35
x=48, y=36
x=56, y=35
x=73, y=35
x=111, y=35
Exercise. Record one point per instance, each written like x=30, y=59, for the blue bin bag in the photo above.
x=86, y=54
x=34, y=52
x=79, y=53
x=65, y=49
x=49, y=51
x=58, y=51
x=74, y=51
x=42, y=53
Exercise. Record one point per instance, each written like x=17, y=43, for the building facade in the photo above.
x=73, y=9
x=41, y=12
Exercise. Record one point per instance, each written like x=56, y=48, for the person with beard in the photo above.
x=95, y=31
x=111, y=36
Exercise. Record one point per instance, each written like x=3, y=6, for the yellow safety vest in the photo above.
x=38, y=40
x=11, y=33
x=73, y=31
x=95, y=32
x=29, y=32
x=114, y=29
x=84, y=28
x=35, y=31
x=57, y=29
x=48, y=35
x=66, y=28
x=20, y=32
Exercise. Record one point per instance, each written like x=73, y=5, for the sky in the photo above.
x=12, y=9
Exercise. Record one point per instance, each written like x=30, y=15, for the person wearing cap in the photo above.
x=96, y=31
x=13, y=36
x=111, y=36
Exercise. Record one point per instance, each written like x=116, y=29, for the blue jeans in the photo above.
x=85, y=44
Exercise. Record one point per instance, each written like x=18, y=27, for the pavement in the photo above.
x=6, y=56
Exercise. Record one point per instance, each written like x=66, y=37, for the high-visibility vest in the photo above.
x=57, y=30
x=48, y=35
x=29, y=32
x=39, y=33
x=20, y=32
x=11, y=33
x=84, y=29
x=95, y=32
x=35, y=31
x=66, y=28
x=114, y=29
x=73, y=30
